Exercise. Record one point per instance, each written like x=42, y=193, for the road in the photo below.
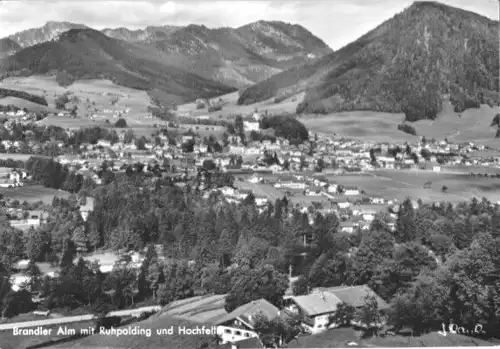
x=72, y=319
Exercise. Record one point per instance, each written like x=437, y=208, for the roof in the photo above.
x=249, y=310
x=89, y=204
x=250, y=343
x=317, y=303
x=355, y=295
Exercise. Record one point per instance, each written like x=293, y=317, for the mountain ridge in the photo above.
x=406, y=64
x=89, y=54
x=237, y=57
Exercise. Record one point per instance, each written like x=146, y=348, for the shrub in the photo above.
x=121, y=123
x=407, y=129
x=213, y=108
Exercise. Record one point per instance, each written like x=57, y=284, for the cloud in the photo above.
x=337, y=22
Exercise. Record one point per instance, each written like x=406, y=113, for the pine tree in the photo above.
x=34, y=244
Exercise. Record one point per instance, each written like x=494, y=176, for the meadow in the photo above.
x=33, y=193
x=399, y=184
x=260, y=189
x=17, y=156
x=99, y=97
x=472, y=125
x=231, y=107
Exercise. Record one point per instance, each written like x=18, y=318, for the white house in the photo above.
x=86, y=208
x=255, y=179
x=315, y=310
x=347, y=227
x=251, y=126
x=238, y=324
x=351, y=191
x=260, y=201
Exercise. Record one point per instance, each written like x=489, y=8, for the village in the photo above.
x=310, y=175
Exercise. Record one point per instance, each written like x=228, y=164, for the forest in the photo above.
x=4, y=92
x=439, y=266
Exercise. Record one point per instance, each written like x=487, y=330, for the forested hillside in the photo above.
x=408, y=64
x=87, y=54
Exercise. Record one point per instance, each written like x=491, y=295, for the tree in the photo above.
x=238, y=124
x=369, y=315
x=276, y=332
x=121, y=123
x=301, y=286
x=344, y=315
x=34, y=274
x=406, y=229
x=34, y=244
x=375, y=246
x=254, y=284
x=16, y=303
x=444, y=188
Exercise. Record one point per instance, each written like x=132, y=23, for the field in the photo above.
x=16, y=156
x=33, y=193
x=197, y=309
x=261, y=190
x=93, y=97
x=22, y=103
x=203, y=130
x=339, y=337
x=231, y=107
x=471, y=125
x=399, y=184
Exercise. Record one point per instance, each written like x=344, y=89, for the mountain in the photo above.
x=89, y=54
x=148, y=35
x=237, y=57
x=8, y=47
x=409, y=64
x=50, y=31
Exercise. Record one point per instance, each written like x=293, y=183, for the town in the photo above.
x=313, y=175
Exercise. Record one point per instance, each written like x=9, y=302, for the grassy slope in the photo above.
x=414, y=57
x=470, y=125
x=86, y=53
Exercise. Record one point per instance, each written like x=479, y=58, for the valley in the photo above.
x=250, y=183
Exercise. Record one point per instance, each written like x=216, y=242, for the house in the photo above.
x=351, y=191
x=317, y=191
x=87, y=207
x=377, y=200
x=251, y=126
x=260, y=201
x=314, y=310
x=103, y=143
x=255, y=179
x=239, y=324
x=347, y=227
x=242, y=194
x=354, y=295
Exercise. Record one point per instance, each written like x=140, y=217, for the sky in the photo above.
x=336, y=22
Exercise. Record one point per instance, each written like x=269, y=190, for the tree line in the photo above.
x=440, y=265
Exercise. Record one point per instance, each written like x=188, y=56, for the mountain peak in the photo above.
x=409, y=64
